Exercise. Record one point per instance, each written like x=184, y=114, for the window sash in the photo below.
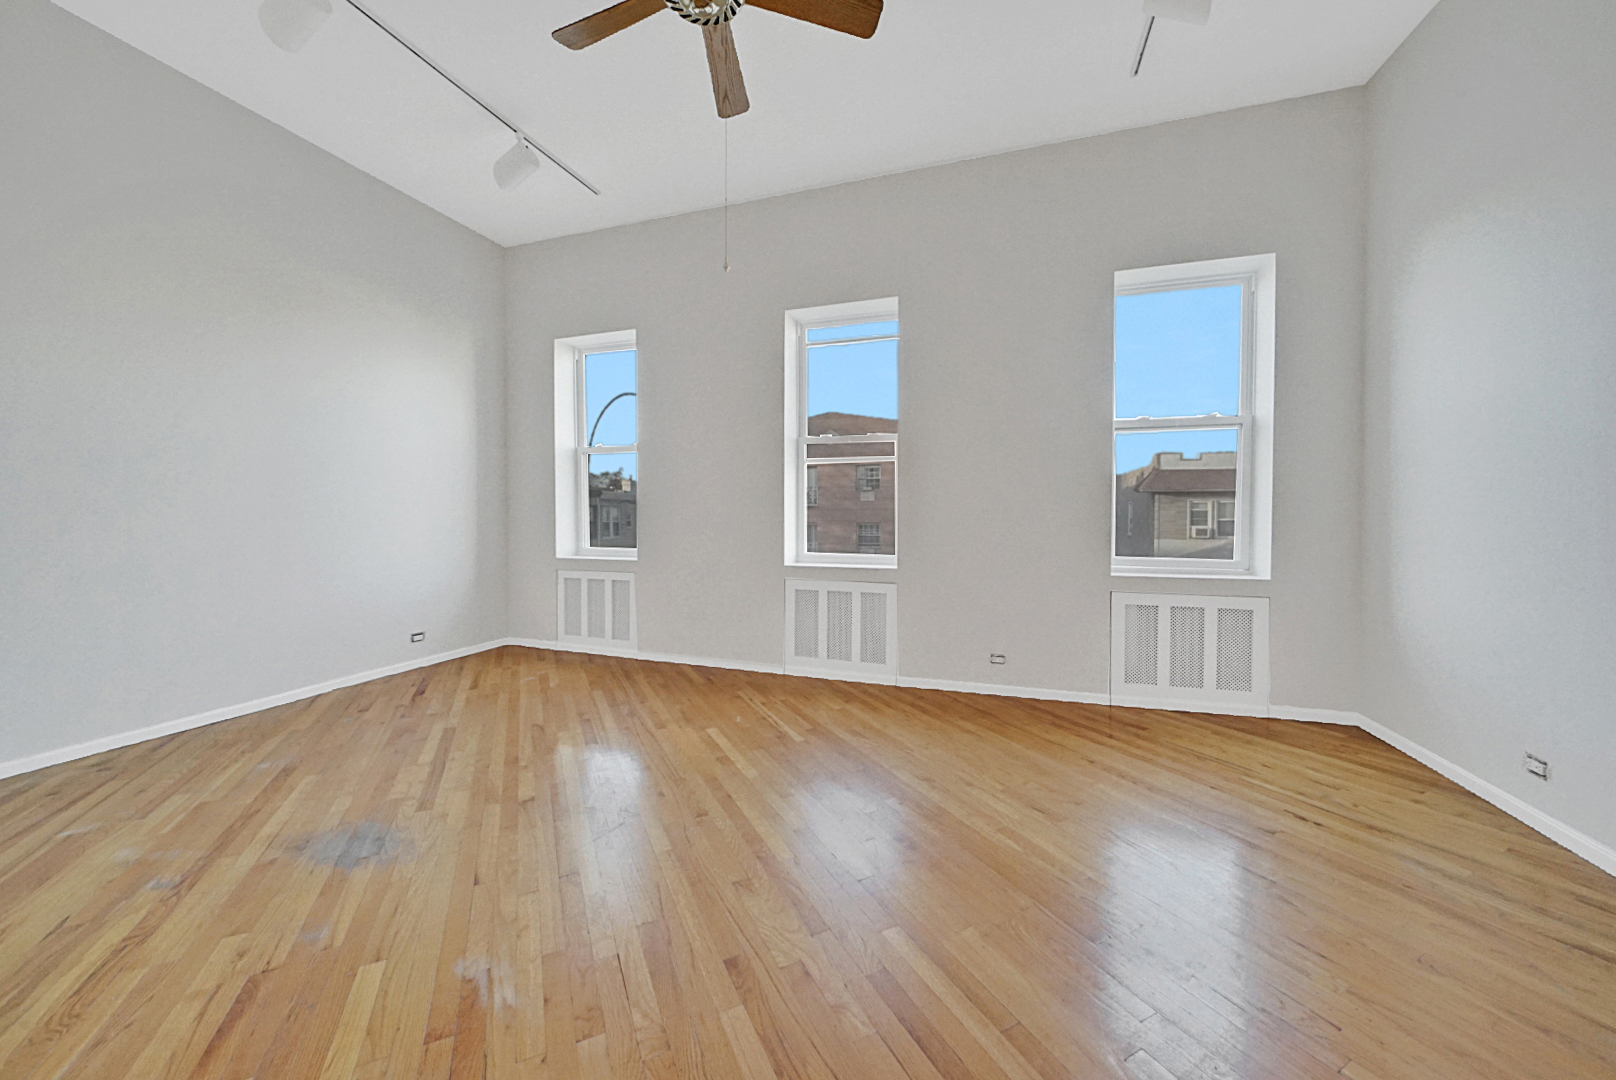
x=583, y=450
x=1243, y=423
x=799, y=329
x=1242, y=489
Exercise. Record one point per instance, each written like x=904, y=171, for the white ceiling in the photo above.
x=940, y=81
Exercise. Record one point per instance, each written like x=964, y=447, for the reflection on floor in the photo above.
x=530, y=864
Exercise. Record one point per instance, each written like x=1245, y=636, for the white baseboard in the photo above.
x=1317, y=716
x=839, y=676
x=1188, y=705
x=229, y=712
x=1601, y=855
x=994, y=689
x=656, y=658
x=1000, y=690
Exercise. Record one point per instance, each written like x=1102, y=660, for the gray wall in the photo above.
x=250, y=423
x=1490, y=568
x=1003, y=267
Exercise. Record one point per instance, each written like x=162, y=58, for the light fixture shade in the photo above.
x=290, y=23
x=515, y=165
x=1190, y=11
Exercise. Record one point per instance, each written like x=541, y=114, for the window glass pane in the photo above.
x=1178, y=352
x=610, y=410
x=853, y=389
x=850, y=509
x=613, y=489
x=1173, y=489
x=854, y=332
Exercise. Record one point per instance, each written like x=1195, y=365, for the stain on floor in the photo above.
x=348, y=846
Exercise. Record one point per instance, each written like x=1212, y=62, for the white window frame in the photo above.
x=797, y=324
x=1254, y=494
x=571, y=453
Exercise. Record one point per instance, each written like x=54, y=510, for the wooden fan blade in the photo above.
x=603, y=24
x=729, y=89
x=856, y=17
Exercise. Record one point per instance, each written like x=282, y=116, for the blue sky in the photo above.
x=859, y=378
x=1177, y=354
x=605, y=376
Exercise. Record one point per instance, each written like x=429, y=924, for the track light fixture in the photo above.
x=291, y=23
x=515, y=165
x=1190, y=11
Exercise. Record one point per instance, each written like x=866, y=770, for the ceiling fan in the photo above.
x=856, y=17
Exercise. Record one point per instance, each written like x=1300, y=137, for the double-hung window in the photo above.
x=597, y=447
x=1193, y=420
x=842, y=435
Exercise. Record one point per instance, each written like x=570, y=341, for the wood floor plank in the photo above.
x=534, y=864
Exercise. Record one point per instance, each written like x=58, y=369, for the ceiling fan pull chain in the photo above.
x=726, y=194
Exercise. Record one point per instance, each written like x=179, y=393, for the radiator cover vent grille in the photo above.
x=1139, y=637
x=1235, y=649
x=596, y=610
x=1195, y=653
x=805, y=642
x=846, y=627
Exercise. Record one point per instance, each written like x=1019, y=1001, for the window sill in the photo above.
x=1196, y=574
x=596, y=556
x=794, y=565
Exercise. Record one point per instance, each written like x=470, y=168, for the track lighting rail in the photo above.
x=480, y=102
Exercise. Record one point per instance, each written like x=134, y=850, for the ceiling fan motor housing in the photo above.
x=706, y=12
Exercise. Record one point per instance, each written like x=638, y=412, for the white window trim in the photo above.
x=797, y=324
x=571, y=456
x=1254, y=495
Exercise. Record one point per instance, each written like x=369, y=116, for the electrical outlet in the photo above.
x=1537, y=766
x=996, y=658
x=419, y=635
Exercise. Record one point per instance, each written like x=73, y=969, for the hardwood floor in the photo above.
x=527, y=864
